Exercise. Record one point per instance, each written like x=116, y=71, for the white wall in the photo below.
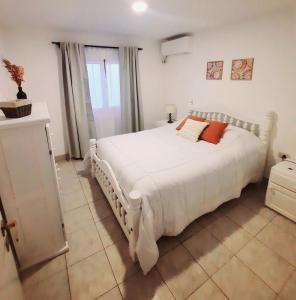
x=3, y=86
x=272, y=42
x=33, y=50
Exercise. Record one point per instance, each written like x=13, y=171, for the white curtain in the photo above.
x=80, y=119
x=131, y=102
x=104, y=86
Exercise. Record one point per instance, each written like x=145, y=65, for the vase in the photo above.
x=21, y=94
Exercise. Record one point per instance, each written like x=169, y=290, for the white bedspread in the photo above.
x=180, y=180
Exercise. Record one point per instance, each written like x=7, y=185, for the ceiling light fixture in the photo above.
x=139, y=6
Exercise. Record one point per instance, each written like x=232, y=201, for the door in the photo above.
x=10, y=286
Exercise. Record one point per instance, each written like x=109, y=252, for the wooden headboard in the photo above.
x=261, y=130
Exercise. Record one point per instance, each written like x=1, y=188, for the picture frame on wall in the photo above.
x=242, y=69
x=215, y=70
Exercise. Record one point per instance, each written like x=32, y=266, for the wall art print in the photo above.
x=242, y=69
x=215, y=70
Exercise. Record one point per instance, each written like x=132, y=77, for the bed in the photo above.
x=157, y=183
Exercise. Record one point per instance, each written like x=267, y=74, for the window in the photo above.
x=95, y=85
x=113, y=83
x=104, y=87
x=104, y=84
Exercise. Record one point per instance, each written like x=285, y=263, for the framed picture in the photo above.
x=215, y=70
x=242, y=69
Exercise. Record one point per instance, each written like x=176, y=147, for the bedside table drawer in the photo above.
x=284, y=174
x=281, y=200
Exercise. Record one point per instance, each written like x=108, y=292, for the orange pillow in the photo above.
x=213, y=132
x=179, y=127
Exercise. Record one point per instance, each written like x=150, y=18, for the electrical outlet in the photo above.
x=283, y=155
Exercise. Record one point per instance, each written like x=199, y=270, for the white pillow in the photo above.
x=192, y=129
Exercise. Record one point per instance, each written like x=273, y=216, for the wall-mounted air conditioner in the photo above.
x=181, y=45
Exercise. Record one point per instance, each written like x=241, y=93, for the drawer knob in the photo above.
x=6, y=226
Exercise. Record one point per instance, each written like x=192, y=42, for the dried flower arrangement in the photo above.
x=21, y=107
x=16, y=72
x=17, y=75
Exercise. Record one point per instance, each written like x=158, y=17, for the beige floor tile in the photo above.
x=209, y=218
x=109, y=231
x=256, y=204
x=87, y=182
x=69, y=183
x=140, y=287
x=66, y=190
x=239, y=282
x=77, y=218
x=91, y=189
x=78, y=165
x=43, y=271
x=190, y=230
x=100, y=210
x=167, y=243
x=209, y=252
x=279, y=241
x=246, y=218
x=227, y=206
x=121, y=262
x=54, y=288
x=72, y=200
x=229, y=233
x=289, y=290
x=180, y=272
x=268, y=265
x=66, y=173
x=285, y=224
x=91, y=277
x=83, y=243
x=114, y=294
x=208, y=291
x=95, y=194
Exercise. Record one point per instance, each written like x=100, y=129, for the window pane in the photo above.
x=95, y=85
x=113, y=83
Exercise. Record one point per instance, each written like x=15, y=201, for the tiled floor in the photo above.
x=243, y=250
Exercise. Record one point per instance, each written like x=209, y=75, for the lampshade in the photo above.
x=170, y=108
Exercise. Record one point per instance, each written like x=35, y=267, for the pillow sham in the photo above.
x=192, y=130
x=191, y=118
x=213, y=132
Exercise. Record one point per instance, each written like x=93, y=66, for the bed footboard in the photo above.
x=126, y=209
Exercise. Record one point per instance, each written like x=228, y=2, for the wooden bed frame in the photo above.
x=127, y=208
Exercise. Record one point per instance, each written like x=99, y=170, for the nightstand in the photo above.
x=281, y=191
x=161, y=123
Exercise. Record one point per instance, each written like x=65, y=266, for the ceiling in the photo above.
x=164, y=17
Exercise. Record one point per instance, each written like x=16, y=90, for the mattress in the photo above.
x=180, y=180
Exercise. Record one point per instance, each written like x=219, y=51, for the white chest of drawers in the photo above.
x=281, y=192
x=29, y=187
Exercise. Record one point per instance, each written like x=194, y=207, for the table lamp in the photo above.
x=170, y=109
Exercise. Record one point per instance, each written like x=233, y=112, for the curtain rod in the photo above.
x=93, y=46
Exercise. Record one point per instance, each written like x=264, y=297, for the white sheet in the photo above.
x=180, y=180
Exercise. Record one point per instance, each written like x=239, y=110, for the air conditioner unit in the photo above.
x=176, y=46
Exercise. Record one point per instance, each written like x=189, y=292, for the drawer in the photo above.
x=284, y=181
x=281, y=200
x=284, y=174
